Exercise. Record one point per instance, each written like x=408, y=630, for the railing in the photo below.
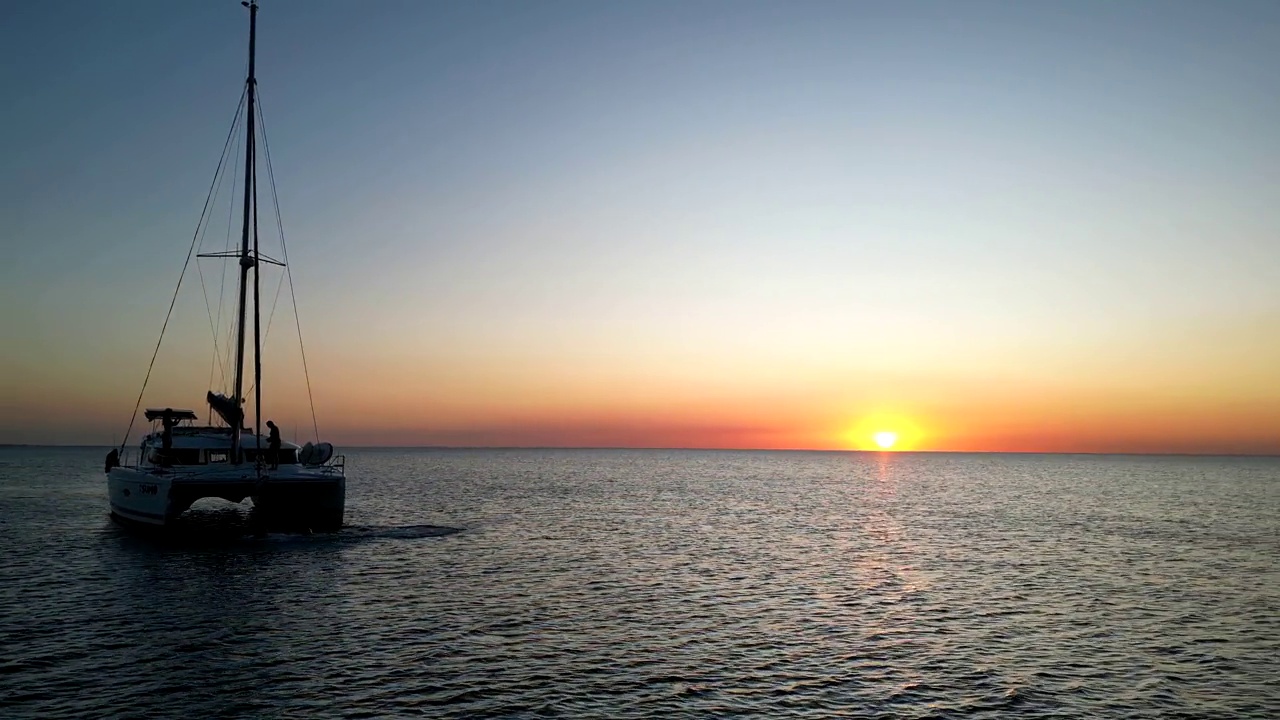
x=133, y=459
x=337, y=463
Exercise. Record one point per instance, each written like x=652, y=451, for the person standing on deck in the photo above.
x=273, y=442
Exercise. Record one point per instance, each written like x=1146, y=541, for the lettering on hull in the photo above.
x=138, y=515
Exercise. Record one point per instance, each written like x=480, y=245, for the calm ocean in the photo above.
x=661, y=584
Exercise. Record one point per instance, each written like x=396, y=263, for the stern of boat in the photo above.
x=311, y=499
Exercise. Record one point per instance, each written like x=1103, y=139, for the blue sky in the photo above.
x=773, y=189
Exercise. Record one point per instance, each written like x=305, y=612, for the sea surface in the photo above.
x=660, y=584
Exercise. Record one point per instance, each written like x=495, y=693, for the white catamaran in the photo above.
x=180, y=461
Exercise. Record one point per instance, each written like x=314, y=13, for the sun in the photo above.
x=881, y=431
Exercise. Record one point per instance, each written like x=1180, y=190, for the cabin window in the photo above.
x=174, y=456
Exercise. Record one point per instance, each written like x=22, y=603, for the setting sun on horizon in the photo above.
x=881, y=431
x=833, y=226
x=886, y=439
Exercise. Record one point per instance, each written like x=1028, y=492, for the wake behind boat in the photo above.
x=180, y=461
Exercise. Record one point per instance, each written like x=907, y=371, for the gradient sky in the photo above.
x=1046, y=226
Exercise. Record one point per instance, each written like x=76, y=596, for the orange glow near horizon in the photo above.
x=885, y=432
x=395, y=400
x=1053, y=425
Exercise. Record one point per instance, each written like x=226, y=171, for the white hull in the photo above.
x=139, y=496
x=312, y=497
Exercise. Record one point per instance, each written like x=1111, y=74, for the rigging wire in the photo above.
x=203, y=288
x=223, y=362
x=275, y=199
x=190, y=251
x=275, y=301
x=267, y=333
x=257, y=319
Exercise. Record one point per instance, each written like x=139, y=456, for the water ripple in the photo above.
x=673, y=584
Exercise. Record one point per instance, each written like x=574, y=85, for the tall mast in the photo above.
x=247, y=260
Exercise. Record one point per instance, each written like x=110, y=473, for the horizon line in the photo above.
x=720, y=449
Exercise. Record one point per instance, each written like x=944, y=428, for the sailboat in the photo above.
x=180, y=460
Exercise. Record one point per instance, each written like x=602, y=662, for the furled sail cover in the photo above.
x=228, y=409
x=158, y=413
